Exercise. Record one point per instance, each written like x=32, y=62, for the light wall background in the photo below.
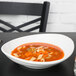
x=62, y=15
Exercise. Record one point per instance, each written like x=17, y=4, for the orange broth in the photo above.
x=37, y=51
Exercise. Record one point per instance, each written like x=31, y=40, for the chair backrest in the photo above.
x=16, y=8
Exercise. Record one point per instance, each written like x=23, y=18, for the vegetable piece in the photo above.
x=16, y=55
x=29, y=49
x=24, y=47
x=33, y=49
x=45, y=52
x=28, y=58
x=32, y=59
x=49, y=49
x=45, y=48
x=19, y=48
x=51, y=53
x=56, y=53
x=40, y=56
x=42, y=60
x=48, y=56
x=27, y=54
x=40, y=49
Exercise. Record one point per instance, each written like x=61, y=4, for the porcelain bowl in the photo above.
x=64, y=42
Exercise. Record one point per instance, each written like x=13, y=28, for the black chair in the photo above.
x=16, y=8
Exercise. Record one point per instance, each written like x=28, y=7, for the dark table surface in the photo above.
x=9, y=68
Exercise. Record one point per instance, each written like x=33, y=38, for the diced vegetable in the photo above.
x=40, y=56
x=16, y=55
x=24, y=47
x=27, y=54
x=33, y=49
x=40, y=49
x=42, y=60
x=29, y=49
x=51, y=53
x=56, y=53
x=45, y=48
x=19, y=48
x=32, y=59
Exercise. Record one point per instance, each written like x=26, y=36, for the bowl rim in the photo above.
x=34, y=62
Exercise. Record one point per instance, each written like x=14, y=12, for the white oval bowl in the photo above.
x=64, y=42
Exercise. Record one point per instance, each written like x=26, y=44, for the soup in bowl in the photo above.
x=39, y=51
